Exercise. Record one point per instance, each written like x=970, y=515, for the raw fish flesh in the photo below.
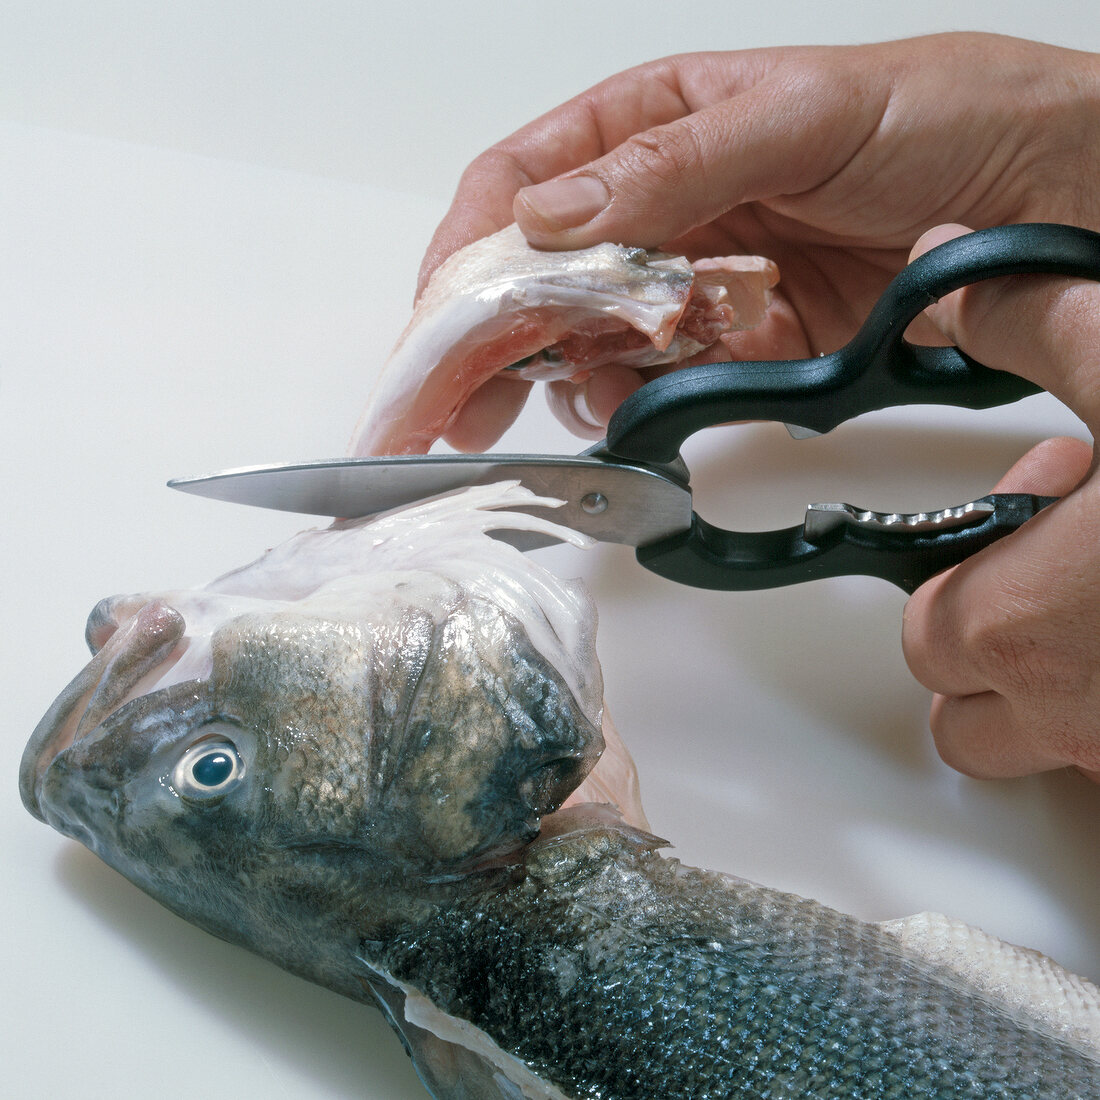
x=499, y=303
x=373, y=756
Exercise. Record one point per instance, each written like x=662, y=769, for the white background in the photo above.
x=211, y=216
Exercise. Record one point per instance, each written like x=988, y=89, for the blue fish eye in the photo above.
x=208, y=768
x=212, y=769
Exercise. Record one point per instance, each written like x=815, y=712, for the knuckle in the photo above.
x=1035, y=665
x=1013, y=659
x=664, y=156
x=496, y=163
x=1034, y=689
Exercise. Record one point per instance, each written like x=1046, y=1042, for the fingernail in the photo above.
x=583, y=409
x=566, y=203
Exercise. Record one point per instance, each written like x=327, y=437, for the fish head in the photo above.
x=304, y=740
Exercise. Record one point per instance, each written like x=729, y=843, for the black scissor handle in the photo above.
x=709, y=557
x=877, y=369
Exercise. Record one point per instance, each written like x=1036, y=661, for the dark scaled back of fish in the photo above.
x=615, y=973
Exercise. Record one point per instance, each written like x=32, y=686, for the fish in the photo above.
x=500, y=308
x=379, y=757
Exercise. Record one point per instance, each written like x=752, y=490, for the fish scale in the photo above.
x=283, y=674
x=619, y=974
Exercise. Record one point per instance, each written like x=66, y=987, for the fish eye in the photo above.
x=208, y=768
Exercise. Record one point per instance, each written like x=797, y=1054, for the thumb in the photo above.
x=1052, y=468
x=664, y=181
x=1044, y=328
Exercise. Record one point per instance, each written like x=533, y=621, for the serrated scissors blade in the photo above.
x=609, y=500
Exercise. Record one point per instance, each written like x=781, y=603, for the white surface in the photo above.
x=211, y=217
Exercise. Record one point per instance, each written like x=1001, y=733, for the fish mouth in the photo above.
x=126, y=652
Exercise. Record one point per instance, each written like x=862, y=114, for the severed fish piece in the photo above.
x=499, y=303
x=371, y=757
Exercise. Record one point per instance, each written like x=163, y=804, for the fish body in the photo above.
x=618, y=973
x=372, y=757
x=499, y=303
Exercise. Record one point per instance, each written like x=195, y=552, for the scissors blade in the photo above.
x=609, y=500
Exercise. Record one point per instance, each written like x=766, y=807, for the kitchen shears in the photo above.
x=634, y=488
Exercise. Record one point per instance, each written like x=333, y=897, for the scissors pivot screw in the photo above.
x=594, y=503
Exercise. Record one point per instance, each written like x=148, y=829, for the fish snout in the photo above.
x=73, y=796
x=108, y=615
x=124, y=652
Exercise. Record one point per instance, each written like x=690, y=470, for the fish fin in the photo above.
x=1023, y=980
x=614, y=779
x=454, y=1059
x=572, y=820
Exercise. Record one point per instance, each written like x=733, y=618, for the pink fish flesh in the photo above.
x=499, y=302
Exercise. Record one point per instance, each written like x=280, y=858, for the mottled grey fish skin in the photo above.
x=618, y=975
x=376, y=761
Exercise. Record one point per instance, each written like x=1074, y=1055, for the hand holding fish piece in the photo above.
x=1010, y=639
x=828, y=160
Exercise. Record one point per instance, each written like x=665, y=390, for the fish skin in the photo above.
x=408, y=700
x=621, y=974
x=405, y=739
